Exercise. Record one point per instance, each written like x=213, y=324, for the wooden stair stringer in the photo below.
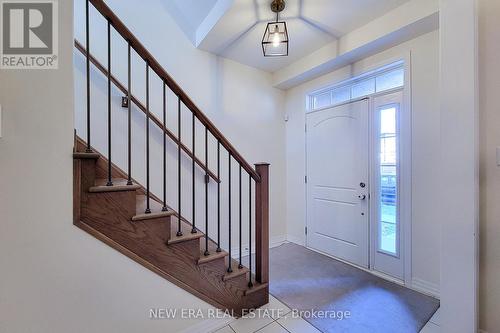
x=130, y=254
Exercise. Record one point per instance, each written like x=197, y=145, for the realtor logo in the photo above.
x=29, y=34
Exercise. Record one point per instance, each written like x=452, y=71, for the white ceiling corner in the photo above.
x=189, y=14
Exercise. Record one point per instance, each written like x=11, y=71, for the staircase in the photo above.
x=110, y=205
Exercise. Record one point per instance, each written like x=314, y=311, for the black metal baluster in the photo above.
x=148, y=209
x=230, y=268
x=218, y=197
x=179, y=210
x=250, y=284
x=129, y=105
x=193, y=230
x=240, y=266
x=110, y=182
x=87, y=52
x=164, y=208
x=206, y=192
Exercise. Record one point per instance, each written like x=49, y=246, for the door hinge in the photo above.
x=305, y=179
x=305, y=128
x=305, y=230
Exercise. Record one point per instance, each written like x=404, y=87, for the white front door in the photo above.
x=337, y=181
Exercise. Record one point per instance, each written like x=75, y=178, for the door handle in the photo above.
x=362, y=196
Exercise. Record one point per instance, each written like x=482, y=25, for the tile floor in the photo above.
x=276, y=321
x=433, y=325
x=279, y=320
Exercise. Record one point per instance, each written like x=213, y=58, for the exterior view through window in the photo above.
x=388, y=180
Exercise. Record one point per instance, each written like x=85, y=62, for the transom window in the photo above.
x=384, y=79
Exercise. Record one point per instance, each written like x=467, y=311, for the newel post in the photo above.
x=262, y=224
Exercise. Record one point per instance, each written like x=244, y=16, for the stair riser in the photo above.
x=84, y=178
x=240, y=282
x=88, y=174
x=161, y=226
x=77, y=191
x=108, y=206
x=191, y=248
x=258, y=298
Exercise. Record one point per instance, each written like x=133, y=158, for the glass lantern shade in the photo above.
x=275, y=40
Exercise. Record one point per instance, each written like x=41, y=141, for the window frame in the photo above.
x=374, y=74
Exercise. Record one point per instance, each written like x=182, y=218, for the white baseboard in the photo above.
x=277, y=241
x=296, y=240
x=425, y=287
x=274, y=241
x=209, y=325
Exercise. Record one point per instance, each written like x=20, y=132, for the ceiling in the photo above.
x=194, y=17
x=234, y=29
x=189, y=14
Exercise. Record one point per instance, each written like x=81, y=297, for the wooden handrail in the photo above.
x=157, y=121
x=169, y=81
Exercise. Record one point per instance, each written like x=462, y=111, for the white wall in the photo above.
x=489, y=86
x=54, y=276
x=425, y=149
x=459, y=167
x=240, y=100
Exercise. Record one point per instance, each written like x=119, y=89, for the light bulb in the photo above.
x=276, y=39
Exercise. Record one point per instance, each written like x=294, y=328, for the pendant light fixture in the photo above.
x=275, y=39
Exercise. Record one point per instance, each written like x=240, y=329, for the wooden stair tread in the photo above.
x=186, y=232
x=80, y=155
x=256, y=287
x=119, y=184
x=212, y=249
x=235, y=273
x=155, y=207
